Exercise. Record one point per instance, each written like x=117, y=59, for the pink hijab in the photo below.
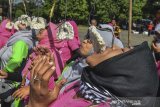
x=3, y=24
x=49, y=43
x=65, y=47
x=76, y=33
x=52, y=32
x=5, y=34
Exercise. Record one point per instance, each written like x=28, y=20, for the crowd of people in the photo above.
x=146, y=26
x=45, y=65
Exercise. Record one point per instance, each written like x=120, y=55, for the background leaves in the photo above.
x=79, y=10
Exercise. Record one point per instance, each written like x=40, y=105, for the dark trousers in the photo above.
x=149, y=32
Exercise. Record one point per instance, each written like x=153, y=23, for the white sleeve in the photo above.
x=157, y=28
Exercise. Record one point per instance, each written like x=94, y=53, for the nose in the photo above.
x=89, y=41
x=85, y=41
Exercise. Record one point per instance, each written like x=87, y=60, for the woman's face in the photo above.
x=95, y=59
x=41, y=35
x=86, y=47
x=21, y=26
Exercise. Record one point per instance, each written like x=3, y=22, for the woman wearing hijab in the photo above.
x=73, y=73
x=6, y=31
x=74, y=43
x=106, y=81
x=66, y=40
x=68, y=96
x=46, y=41
x=13, y=57
x=60, y=50
x=3, y=24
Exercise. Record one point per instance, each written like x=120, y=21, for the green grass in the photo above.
x=135, y=39
x=82, y=31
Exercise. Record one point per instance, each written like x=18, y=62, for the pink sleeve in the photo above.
x=76, y=33
x=3, y=41
x=73, y=44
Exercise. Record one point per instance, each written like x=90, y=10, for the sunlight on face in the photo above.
x=21, y=26
x=86, y=47
x=41, y=35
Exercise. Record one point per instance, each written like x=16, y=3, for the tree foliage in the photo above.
x=79, y=10
x=150, y=8
x=74, y=9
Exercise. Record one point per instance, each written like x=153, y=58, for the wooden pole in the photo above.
x=52, y=10
x=24, y=5
x=130, y=23
x=10, y=9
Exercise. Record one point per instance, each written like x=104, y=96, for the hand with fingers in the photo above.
x=22, y=93
x=3, y=74
x=41, y=72
x=155, y=48
x=41, y=50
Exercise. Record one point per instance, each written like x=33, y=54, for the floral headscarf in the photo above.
x=65, y=31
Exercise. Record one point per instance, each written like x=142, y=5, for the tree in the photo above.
x=137, y=9
x=150, y=8
x=105, y=10
x=76, y=9
x=79, y=10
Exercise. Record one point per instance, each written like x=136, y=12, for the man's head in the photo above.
x=113, y=22
x=4, y=17
x=94, y=22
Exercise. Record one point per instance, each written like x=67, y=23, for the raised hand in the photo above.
x=40, y=50
x=42, y=69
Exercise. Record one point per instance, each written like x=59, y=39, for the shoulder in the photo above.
x=21, y=43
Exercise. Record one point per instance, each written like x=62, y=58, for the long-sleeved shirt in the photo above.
x=19, y=53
